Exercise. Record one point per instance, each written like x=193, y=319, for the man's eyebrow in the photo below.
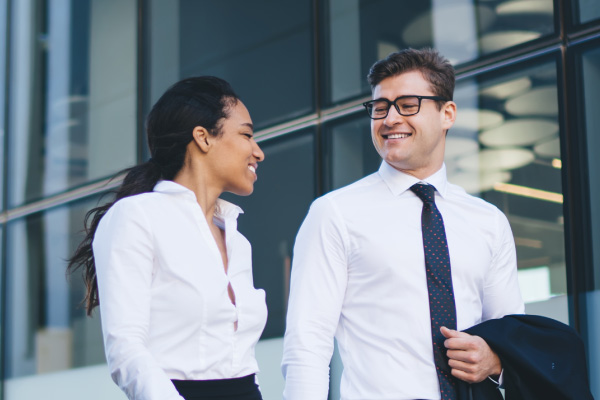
x=249, y=125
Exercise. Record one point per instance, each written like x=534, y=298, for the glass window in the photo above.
x=72, y=95
x=3, y=35
x=263, y=48
x=590, y=61
x=505, y=148
x=273, y=214
x=586, y=10
x=360, y=32
x=352, y=155
x=46, y=327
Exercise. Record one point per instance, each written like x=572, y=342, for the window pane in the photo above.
x=587, y=10
x=263, y=48
x=591, y=91
x=46, y=328
x=504, y=148
x=72, y=96
x=361, y=32
x=274, y=212
x=3, y=31
x=352, y=153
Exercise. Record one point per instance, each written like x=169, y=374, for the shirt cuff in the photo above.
x=500, y=381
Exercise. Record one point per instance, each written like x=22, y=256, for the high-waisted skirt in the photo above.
x=244, y=388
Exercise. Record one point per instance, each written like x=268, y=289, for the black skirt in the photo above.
x=244, y=388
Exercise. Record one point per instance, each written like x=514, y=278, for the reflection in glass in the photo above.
x=517, y=168
x=266, y=56
x=72, y=114
x=273, y=214
x=3, y=31
x=361, y=32
x=586, y=10
x=590, y=61
x=46, y=328
x=352, y=153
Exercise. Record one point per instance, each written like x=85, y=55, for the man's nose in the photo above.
x=393, y=117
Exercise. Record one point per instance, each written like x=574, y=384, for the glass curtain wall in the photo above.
x=69, y=121
x=589, y=61
x=71, y=118
x=360, y=32
x=72, y=94
x=264, y=50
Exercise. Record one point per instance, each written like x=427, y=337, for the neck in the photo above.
x=198, y=182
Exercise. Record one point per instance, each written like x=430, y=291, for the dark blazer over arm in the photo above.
x=541, y=357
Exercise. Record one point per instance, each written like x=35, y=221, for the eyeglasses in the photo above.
x=405, y=105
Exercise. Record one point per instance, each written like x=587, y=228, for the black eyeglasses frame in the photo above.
x=370, y=103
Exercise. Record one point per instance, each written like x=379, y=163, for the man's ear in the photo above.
x=202, y=138
x=449, y=115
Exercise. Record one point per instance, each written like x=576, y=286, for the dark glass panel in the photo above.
x=263, y=48
x=273, y=214
x=360, y=32
x=72, y=94
x=46, y=327
x=590, y=62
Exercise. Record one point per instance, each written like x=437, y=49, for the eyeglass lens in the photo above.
x=404, y=105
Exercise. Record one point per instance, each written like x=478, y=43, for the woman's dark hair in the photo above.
x=200, y=101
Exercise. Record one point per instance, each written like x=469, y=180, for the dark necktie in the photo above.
x=439, y=285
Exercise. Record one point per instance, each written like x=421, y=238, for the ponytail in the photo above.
x=139, y=179
x=198, y=101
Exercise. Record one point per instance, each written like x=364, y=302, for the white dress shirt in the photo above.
x=166, y=313
x=359, y=274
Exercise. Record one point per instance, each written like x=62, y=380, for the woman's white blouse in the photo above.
x=165, y=310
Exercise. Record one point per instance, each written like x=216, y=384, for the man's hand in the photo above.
x=471, y=359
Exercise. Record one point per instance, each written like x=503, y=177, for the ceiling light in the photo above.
x=557, y=163
x=549, y=149
x=501, y=40
x=422, y=30
x=457, y=146
x=475, y=182
x=476, y=120
x=508, y=89
x=539, y=101
x=529, y=192
x=520, y=7
x=519, y=132
x=496, y=160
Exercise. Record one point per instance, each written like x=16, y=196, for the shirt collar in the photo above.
x=223, y=210
x=399, y=182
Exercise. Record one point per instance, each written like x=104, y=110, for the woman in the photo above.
x=165, y=262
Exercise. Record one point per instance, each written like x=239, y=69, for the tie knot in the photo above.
x=425, y=192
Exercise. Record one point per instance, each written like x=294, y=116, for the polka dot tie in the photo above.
x=439, y=285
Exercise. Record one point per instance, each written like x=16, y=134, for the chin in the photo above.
x=242, y=191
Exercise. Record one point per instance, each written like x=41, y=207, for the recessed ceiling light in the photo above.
x=476, y=120
x=458, y=146
x=519, y=132
x=496, y=160
x=539, y=101
x=550, y=149
x=520, y=7
x=508, y=89
x=501, y=40
x=475, y=182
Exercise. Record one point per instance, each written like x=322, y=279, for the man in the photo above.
x=388, y=264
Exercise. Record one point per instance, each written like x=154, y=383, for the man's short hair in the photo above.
x=436, y=69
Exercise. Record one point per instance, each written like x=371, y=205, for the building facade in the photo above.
x=77, y=78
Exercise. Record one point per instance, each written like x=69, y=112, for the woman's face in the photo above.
x=236, y=154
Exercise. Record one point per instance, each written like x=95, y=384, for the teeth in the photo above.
x=399, y=136
x=251, y=168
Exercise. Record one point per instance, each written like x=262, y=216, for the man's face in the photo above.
x=413, y=144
